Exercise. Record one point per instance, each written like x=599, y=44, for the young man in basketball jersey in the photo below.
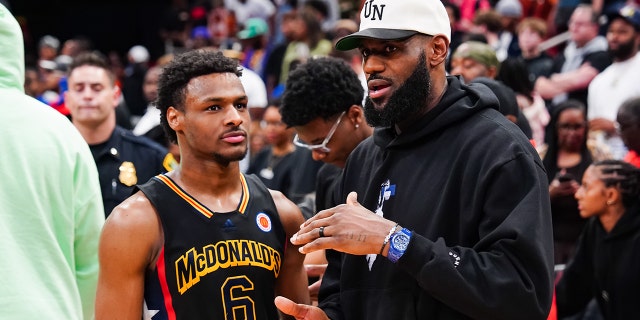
x=204, y=241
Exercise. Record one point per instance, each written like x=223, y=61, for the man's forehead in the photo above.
x=216, y=87
x=618, y=22
x=315, y=130
x=87, y=69
x=217, y=80
x=581, y=15
x=89, y=74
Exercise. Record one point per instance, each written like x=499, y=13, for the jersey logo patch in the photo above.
x=263, y=221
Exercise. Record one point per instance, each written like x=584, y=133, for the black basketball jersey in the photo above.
x=214, y=265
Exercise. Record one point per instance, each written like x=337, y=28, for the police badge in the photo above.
x=128, y=174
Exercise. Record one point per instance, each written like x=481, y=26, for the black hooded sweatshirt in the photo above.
x=474, y=192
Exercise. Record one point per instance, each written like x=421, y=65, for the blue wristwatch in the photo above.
x=398, y=244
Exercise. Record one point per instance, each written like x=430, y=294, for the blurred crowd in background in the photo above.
x=547, y=54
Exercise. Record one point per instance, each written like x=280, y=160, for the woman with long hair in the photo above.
x=566, y=159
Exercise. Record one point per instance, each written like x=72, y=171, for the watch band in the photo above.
x=398, y=244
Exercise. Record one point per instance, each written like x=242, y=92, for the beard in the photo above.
x=405, y=102
x=225, y=159
x=624, y=51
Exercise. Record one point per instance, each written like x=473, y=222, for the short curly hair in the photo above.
x=321, y=87
x=175, y=76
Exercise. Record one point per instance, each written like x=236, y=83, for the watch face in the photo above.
x=400, y=241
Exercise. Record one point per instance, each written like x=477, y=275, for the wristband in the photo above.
x=386, y=239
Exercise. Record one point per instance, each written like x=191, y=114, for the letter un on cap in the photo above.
x=398, y=19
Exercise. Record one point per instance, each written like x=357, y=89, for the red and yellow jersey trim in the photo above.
x=162, y=277
x=242, y=206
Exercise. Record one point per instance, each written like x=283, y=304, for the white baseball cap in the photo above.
x=398, y=19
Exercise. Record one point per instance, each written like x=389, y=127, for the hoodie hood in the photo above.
x=11, y=52
x=458, y=103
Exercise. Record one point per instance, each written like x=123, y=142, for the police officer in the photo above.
x=123, y=159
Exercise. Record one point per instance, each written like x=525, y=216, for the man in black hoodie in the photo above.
x=446, y=212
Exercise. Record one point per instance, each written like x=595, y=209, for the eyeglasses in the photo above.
x=323, y=146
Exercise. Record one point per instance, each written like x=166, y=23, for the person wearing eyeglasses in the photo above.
x=330, y=125
x=281, y=165
x=566, y=159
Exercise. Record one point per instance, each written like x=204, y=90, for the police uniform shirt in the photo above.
x=124, y=161
x=214, y=265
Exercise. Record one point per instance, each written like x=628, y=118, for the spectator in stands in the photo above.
x=606, y=261
x=619, y=81
x=151, y=117
x=329, y=9
x=489, y=24
x=510, y=12
x=255, y=45
x=75, y=46
x=583, y=58
x=629, y=129
x=531, y=33
x=529, y=101
x=474, y=59
x=48, y=48
x=32, y=82
x=565, y=159
x=134, y=72
x=308, y=40
x=246, y=9
x=286, y=35
x=477, y=62
x=344, y=27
